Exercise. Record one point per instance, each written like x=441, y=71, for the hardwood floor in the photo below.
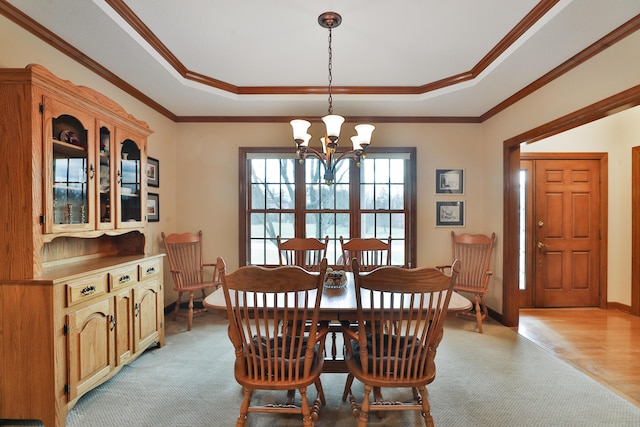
x=604, y=344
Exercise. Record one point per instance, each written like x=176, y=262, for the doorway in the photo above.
x=561, y=222
x=511, y=168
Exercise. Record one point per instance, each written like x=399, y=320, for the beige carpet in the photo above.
x=495, y=379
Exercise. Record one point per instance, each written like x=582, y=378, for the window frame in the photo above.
x=354, y=202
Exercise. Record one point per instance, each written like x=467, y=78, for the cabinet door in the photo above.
x=124, y=326
x=69, y=168
x=148, y=313
x=90, y=346
x=132, y=185
x=105, y=175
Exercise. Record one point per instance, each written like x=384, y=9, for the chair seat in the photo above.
x=387, y=351
x=469, y=288
x=198, y=286
x=288, y=385
x=267, y=347
x=388, y=357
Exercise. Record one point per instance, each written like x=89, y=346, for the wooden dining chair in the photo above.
x=304, y=252
x=474, y=252
x=371, y=253
x=184, y=252
x=394, y=346
x=269, y=357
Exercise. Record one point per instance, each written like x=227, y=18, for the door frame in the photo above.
x=511, y=167
x=603, y=158
x=635, y=231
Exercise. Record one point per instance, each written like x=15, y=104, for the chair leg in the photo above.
x=320, y=391
x=176, y=310
x=307, y=421
x=244, y=407
x=190, y=312
x=478, y=314
x=426, y=408
x=363, y=415
x=377, y=397
x=485, y=310
x=291, y=395
x=347, y=387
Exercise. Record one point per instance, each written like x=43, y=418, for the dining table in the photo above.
x=338, y=304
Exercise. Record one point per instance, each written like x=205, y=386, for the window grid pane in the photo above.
x=272, y=201
x=382, y=190
x=328, y=210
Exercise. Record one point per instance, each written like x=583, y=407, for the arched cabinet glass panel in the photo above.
x=130, y=184
x=70, y=171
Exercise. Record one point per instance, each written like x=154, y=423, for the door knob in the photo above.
x=542, y=245
x=540, y=223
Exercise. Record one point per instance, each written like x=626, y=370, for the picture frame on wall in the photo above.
x=449, y=181
x=153, y=207
x=153, y=172
x=449, y=213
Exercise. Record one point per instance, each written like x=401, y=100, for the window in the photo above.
x=283, y=197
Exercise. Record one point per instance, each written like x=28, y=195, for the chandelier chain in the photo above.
x=329, y=156
x=330, y=75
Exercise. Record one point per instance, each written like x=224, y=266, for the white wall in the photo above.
x=199, y=172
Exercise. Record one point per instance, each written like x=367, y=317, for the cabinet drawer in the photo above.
x=84, y=289
x=123, y=277
x=148, y=269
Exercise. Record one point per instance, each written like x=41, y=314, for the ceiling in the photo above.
x=266, y=59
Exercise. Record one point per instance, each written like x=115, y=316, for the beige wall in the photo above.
x=199, y=162
x=208, y=178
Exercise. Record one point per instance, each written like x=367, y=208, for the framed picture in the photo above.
x=449, y=181
x=153, y=207
x=449, y=214
x=153, y=172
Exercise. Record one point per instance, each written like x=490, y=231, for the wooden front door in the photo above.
x=567, y=231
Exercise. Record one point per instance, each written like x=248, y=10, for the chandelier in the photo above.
x=333, y=122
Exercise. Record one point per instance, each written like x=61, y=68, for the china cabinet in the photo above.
x=80, y=297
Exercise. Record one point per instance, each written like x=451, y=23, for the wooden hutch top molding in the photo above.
x=87, y=97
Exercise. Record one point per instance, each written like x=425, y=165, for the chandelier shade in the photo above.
x=333, y=124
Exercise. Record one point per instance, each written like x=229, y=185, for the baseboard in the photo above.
x=183, y=306
x=619, y=306
x=495, y=316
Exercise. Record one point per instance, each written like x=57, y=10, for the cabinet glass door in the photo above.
x=130, y=184
x=103, y=173
x=71, y=171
